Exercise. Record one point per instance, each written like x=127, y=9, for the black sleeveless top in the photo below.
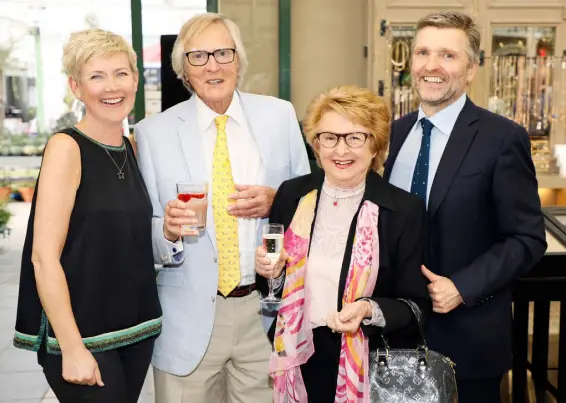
x=107, y=257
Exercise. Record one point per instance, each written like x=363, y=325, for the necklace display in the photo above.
x=120, y=172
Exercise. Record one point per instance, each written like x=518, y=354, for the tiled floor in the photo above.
x=21, y=378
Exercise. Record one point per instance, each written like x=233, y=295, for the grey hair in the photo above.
x=193, y=28
x=457, y=20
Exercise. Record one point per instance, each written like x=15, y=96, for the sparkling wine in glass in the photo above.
x=196, y=195
x=273, y=243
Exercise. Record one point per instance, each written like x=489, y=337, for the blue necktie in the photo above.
x=420, y=175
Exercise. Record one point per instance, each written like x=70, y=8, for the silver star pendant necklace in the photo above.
x=120, y=172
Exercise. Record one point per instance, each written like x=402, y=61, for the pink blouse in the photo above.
x=336, y=209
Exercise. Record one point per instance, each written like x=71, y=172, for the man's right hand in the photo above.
x=80, y=367
x=177, y=215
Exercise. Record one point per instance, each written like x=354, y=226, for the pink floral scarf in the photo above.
x=293, y=344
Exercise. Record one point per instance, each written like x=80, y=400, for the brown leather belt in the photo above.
x=239, y=292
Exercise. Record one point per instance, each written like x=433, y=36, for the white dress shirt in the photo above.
x=443, y=121
x=247, y=169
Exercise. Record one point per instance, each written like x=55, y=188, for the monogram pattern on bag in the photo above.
x=403, y=380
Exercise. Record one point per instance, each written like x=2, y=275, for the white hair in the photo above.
x=191, y=29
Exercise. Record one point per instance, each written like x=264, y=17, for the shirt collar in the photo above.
x=445, y=119
x=206, y=116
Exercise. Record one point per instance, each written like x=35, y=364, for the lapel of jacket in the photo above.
x=458, y=144
x=402, y=129
x=190, y=138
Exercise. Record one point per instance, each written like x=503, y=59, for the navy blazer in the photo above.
x=485, y=230
x=402, y=241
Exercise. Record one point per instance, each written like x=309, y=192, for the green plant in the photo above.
x=5, y=215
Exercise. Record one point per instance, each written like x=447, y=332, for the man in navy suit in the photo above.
x=474, y=170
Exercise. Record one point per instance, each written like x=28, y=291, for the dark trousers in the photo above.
x=484, y=390
x=320, y=372
x=123, y=372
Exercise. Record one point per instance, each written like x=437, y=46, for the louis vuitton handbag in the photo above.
x=411, y=375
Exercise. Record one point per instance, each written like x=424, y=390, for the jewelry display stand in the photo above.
x=526, y=85
x=403, y=99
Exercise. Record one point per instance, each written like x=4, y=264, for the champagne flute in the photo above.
x=273, y=243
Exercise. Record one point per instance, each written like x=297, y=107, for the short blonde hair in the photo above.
x=84, y=45
x=456, y=20
x=191, y=29
x=360, y=106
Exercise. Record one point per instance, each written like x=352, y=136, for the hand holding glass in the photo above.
x=196, y=195
x=273, y=235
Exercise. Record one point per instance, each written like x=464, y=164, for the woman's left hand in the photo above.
x=349, y=318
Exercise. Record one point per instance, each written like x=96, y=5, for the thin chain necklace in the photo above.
x=336, y=193
x=120, y=173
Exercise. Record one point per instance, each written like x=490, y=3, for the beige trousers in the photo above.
x=238, y=347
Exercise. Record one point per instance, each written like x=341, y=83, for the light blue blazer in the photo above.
x=170, y=151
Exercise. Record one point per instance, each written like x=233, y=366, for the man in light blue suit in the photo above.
x=207, y=325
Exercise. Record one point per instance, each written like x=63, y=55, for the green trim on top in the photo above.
x=31, y=342
x=111, y=148
x=285, y=49
x=212, y=6
x=113, y=340
x=137, y=43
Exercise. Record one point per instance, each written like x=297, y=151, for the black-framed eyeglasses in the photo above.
x=200, y=57
x=352, y=140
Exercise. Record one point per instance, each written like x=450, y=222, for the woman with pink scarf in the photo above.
x=353, y=246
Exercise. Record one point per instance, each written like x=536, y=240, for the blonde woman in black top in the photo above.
x=88, y=299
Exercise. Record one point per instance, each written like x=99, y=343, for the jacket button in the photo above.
x=215, y=259
x=213, y=298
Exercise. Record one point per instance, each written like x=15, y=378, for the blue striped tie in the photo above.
x=420, y=175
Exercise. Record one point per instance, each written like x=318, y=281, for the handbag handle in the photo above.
x=418, y=316
x=422, y=350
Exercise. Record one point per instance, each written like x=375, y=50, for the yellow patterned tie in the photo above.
x=226, y=226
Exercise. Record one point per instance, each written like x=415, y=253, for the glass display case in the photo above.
x=555, y=220
x=404, y=99
x=527, y=84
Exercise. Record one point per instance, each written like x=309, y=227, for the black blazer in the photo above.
x=401, y=229
x=486, y=229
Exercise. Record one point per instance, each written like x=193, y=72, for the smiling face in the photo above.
x=214, y=83
x=440, y=67
x=107, y=87
x=345, y=167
